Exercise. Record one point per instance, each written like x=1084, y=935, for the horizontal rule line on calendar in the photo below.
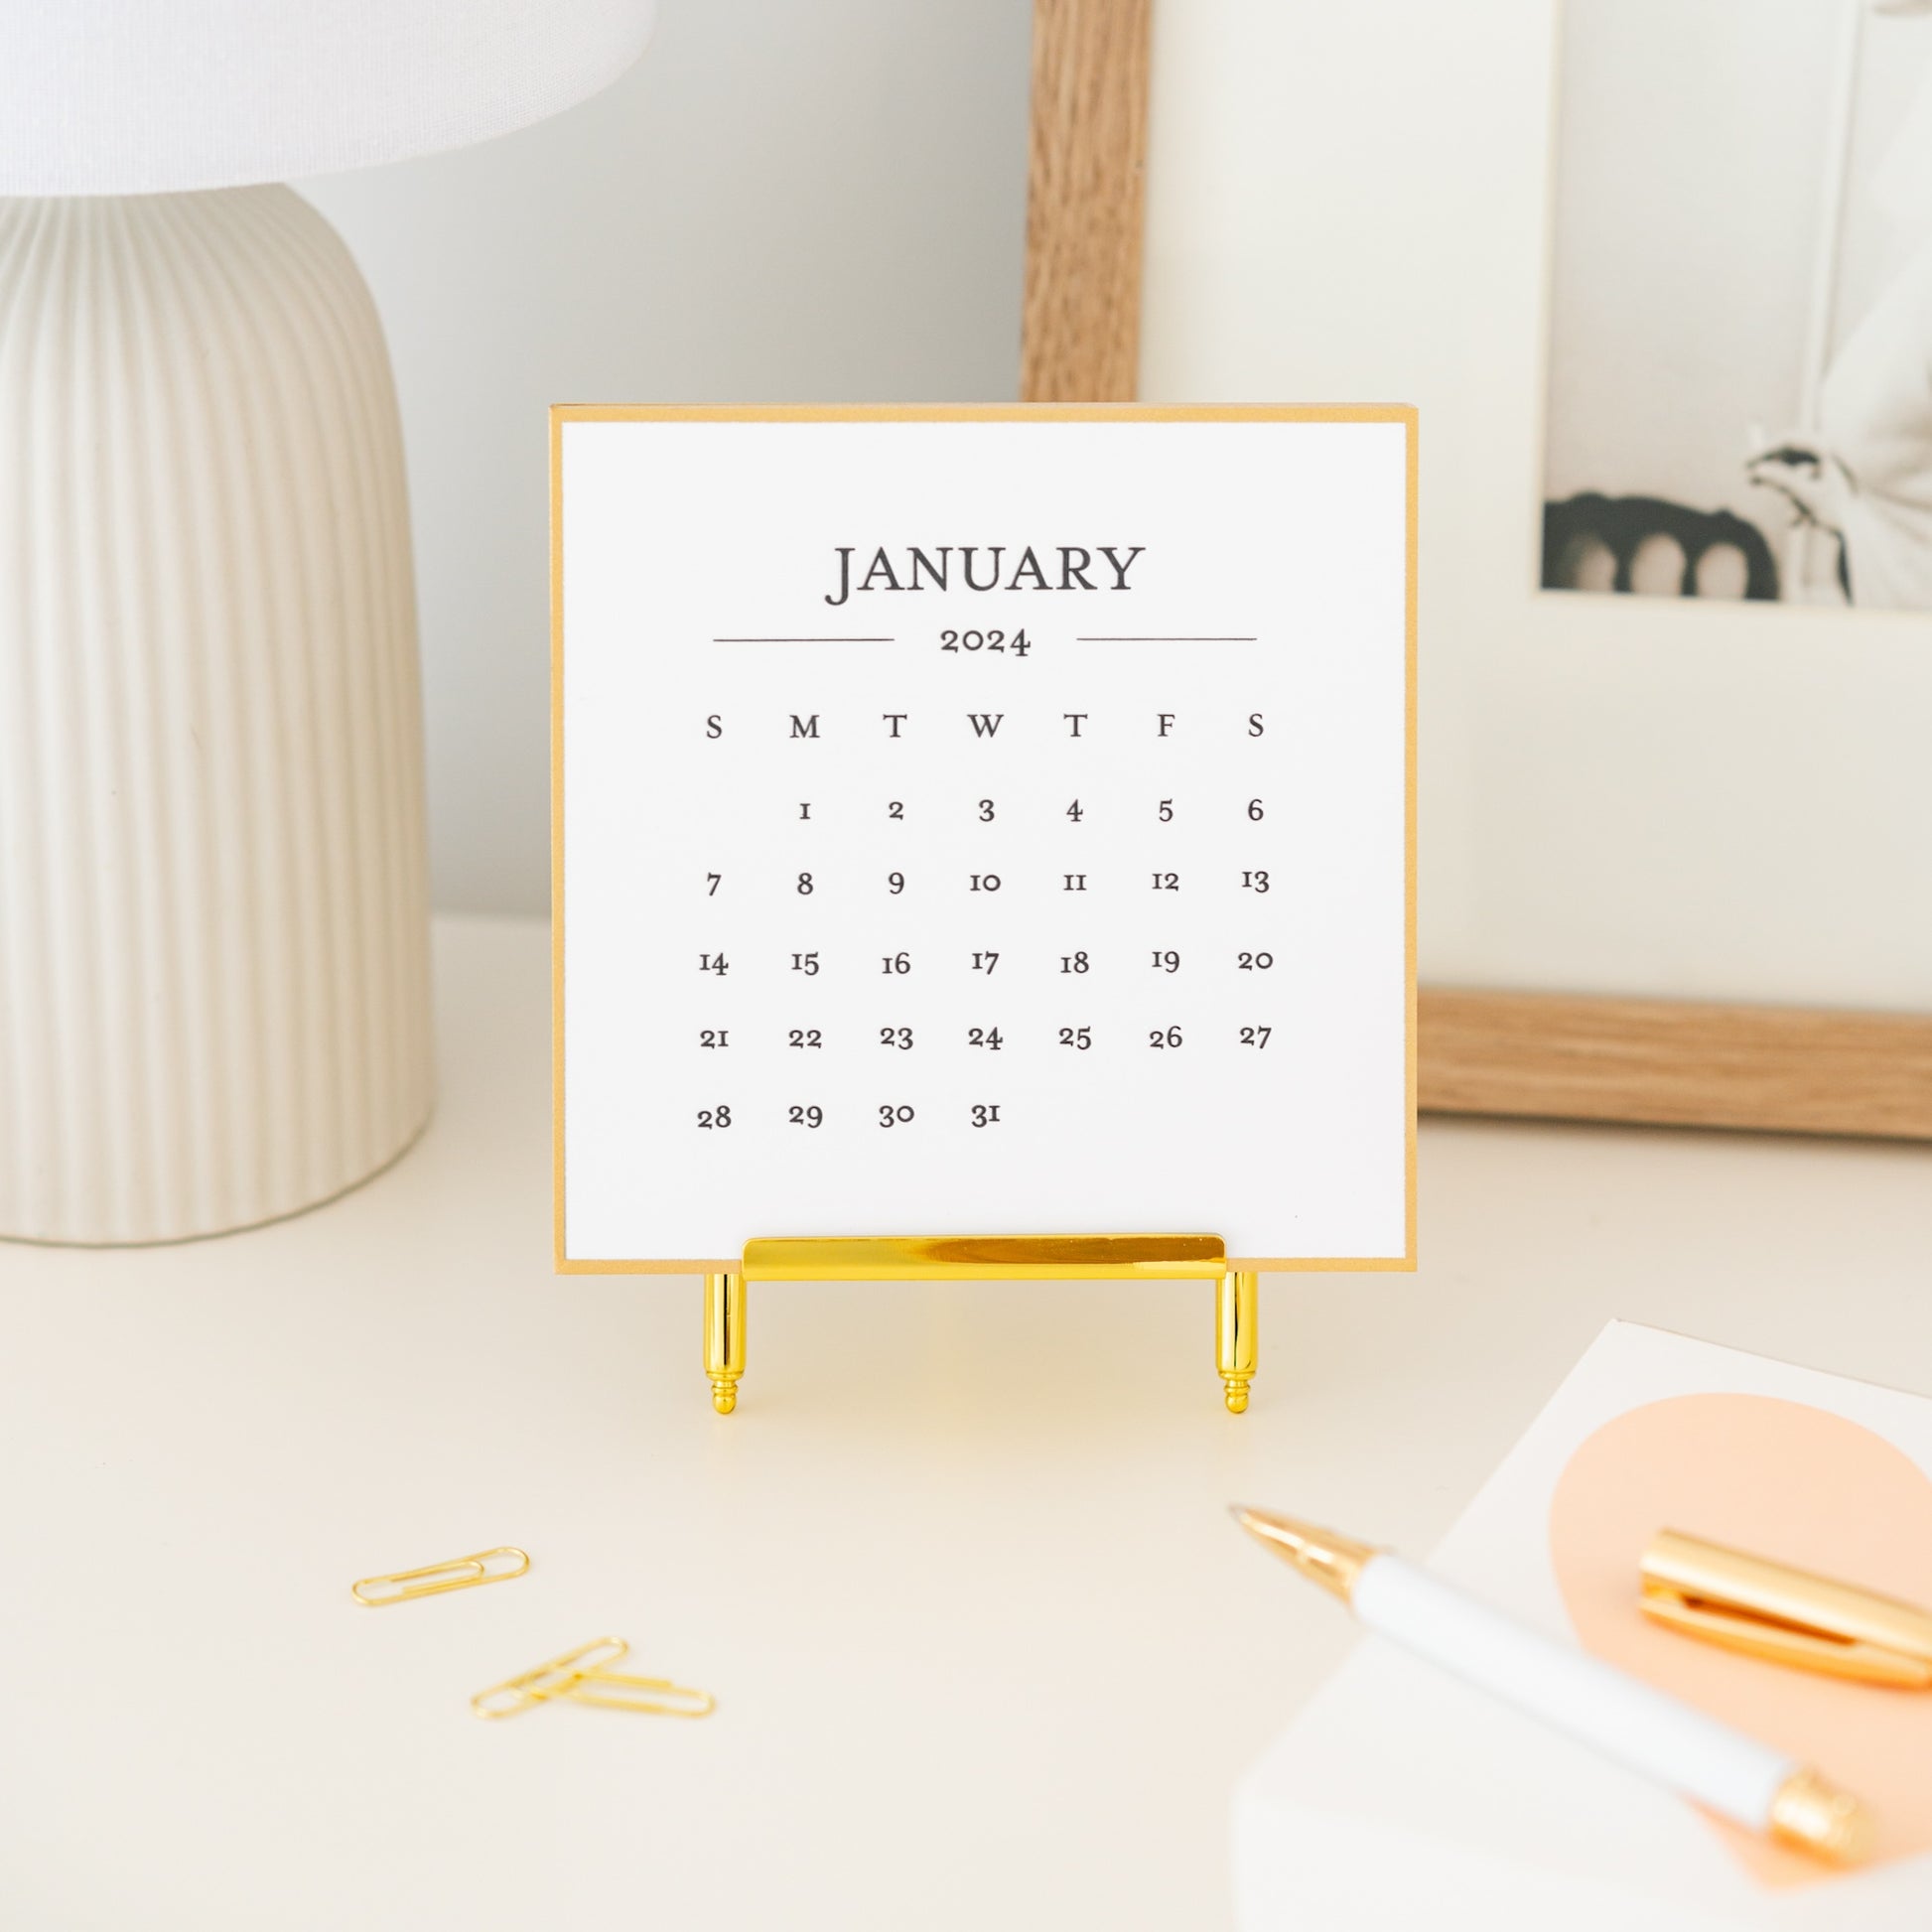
x=1078, y=641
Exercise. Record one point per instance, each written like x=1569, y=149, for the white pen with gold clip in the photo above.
x=1756, y=1786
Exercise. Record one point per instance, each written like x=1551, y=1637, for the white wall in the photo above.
x=786, y=201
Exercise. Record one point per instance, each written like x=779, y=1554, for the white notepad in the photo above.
x=1402, y=1798
x=984, y=822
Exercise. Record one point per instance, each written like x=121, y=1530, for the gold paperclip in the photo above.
x=699, y=1704
x=458, y=1573
x=547, y=1680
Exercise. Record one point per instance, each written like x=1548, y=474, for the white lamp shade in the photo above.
x=147, y=96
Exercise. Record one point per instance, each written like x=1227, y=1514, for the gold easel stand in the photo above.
x=1012, y=1258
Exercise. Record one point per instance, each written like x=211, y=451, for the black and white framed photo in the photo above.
x=1739, y=372
x=1623, y=249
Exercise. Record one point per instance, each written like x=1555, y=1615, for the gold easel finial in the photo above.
x=724, y=1337
x=1237, y=1303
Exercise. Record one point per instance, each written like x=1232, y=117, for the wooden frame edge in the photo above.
x=1080, y=319
x=1675, y=1063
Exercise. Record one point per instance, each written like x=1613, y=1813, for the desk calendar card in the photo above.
x=984, y=821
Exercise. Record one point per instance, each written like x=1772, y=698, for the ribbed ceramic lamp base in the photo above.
x=213, y=925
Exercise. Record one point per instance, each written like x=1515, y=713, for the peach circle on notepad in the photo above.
x=1782, y=1480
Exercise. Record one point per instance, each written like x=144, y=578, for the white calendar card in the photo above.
x=984, y=821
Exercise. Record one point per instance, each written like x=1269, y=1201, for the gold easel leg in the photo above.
x=724, y=1338
x=1237, y=1299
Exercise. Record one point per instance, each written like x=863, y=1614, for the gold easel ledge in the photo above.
x=980, y=1258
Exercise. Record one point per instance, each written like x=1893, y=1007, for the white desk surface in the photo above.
x=987, y=1650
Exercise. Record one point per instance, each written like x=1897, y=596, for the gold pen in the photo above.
x=1788, y=1615
x=1625, y=1718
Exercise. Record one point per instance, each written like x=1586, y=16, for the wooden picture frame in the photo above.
x=1500, y=1052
